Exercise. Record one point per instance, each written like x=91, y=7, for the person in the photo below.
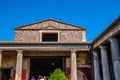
x=39, y=78
x=45, y=78
x=32, y=78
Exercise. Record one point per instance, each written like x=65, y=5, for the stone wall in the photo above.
x=27, y=36
x=34, y=36
x=72, y=36
x=10, y=62
x=66, y=32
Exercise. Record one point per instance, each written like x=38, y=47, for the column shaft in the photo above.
x=73, y=66
x=115, y=57
x=19, y=65
x=104, y=60
x=96, y=66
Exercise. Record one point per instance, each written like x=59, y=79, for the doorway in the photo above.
x=6, y=74
x=44, y=66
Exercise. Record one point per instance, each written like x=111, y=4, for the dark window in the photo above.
x=49, y=36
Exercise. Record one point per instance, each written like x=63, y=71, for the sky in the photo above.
x=94, y=15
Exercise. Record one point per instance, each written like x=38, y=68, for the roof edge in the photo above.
x=46, y=43
x=107, y=29
x=49, y=19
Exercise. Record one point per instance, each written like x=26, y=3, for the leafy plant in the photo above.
x=58, y=74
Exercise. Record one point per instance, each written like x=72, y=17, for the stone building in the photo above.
x=39, y=48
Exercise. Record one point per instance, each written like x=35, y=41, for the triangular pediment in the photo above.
x=50, y=24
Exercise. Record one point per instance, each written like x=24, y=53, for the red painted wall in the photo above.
x=85, y=70
x=24, y=72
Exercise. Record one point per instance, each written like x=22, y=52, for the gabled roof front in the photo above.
x=49, y=24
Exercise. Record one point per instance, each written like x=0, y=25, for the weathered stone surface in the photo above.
x=73, y=66
x=96, y=66
x=49, y=23
x=66, y=33
x=63, y=36
x=9, y=60
x=18, y=74
x=115, y=57
x=72, y=36
x=46, y=54
x=27, y=36
x=105, y=67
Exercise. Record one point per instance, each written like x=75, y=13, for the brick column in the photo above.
x=115, y=57
x=104, y=60
x=0, y=64
x=96, y=66
x=73, y=65
x=18, y=74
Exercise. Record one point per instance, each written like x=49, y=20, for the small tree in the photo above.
x=57, y=75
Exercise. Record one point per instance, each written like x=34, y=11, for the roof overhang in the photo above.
x=45, y=46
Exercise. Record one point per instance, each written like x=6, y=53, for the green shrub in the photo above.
x=57, y=75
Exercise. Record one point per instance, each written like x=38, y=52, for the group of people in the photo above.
x=39, y=78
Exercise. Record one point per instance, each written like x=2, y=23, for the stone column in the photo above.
x=104, y=60
x=96, y=66
x=0, y=64
x=115, y=57
x=18, y=74
x=73, y=65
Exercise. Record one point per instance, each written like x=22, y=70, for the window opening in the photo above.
x=50, y=37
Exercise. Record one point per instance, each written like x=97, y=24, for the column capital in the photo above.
x=73, y=51
x=95, y=55
x=112, y=39
x=19, y=50
x=102, y=46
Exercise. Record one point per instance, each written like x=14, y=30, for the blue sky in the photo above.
x=94, y=15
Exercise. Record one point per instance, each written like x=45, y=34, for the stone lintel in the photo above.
x=46, y=49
